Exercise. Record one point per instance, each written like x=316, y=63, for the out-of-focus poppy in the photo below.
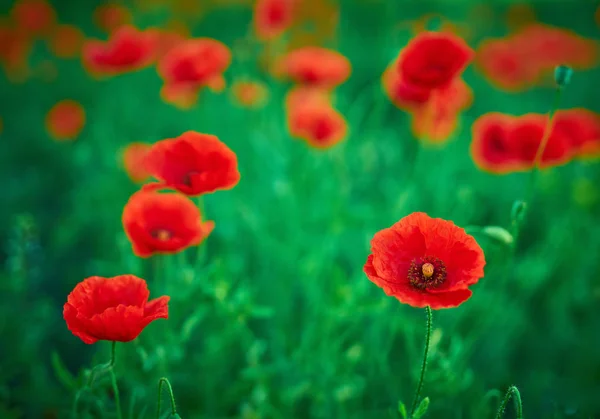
x=111, y=16
x=65, y=41
x=424, y=261
x=65, y=120
x=192, y=65
x=193, y=163
x=520, y=61
x=312, y=118
x=249, y=94
x=506, y=68
x=134, y=161
x=582, y=129
x=505, y=143
x=166, y=39
x=431, y=60
x=181, y=96
x=35, y=17
x=400, y=93
x=127, y=50
x=315, y=66
x=163, y=223
x=115, y=309
x=273, y=17
x=15, y=47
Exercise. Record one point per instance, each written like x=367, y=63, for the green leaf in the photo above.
x=421, y=409
x=62, y=373
x=402, y=409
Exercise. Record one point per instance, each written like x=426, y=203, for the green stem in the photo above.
x=514, y=392
x=424, y=365
x=166, y=382
x=201, y=253
x=542, y=147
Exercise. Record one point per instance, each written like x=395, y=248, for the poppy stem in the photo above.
x=200, y=255
x=166, y=382
x=424, y=365
x=514, y=392
x=113, y=379
x=542, y=147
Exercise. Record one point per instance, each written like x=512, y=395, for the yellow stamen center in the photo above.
x=427, y=270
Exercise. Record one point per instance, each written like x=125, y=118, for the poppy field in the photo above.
x=288, y=209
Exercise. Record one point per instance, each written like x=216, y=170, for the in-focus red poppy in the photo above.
x=35, y=17
x=273, y=17
x=114, y=309
x=194, y=64
x=66, y=41
x=193, y=163
x=424, y=261
x=582, y=129
x=111, y=16
x=134, y=161
x=314, y=66
x=127, y=50
x=65, y=120
x=249, y=94
x=431, y=60
x=163, y=223
x=313, y=119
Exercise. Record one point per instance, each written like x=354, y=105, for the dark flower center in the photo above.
x=161, y=234
x=426, y=272
x=187, y=178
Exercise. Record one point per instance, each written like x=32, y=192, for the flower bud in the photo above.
x=563, y=75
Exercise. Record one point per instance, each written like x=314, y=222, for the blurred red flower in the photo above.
x=314, y=66
x=505, y=143
x=191, y=65
x=134, y=160
x=431, y=60
x=128, y=49
x=520, y=61
x=424, y=261
x=312, y=118
x=582, y=129
x=115, y=309
x=65, y=120
x=249, y=94
x=15, y=48
x=163, y=223
x=273, y=17
x=34, y=17
x=193, y=163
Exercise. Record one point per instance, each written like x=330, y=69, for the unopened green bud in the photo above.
x=563, y=75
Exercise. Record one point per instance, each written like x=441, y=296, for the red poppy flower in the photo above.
x=424, y=261
x=111, y=16
x=491, y=148
x=272, y=18
x=66, y=41
x=194, y=62
x=115, y=309
x=134, y=160
x=128, y=49
x=15, y=47
x=432, y=60
x=320, y=126
x=65, y=120
x=400, y=93
x=193, y=163
x=315, y=66
x=582, y=129
x=526, y=134
x=35, y=17
x=505, y=66
x=163, y=223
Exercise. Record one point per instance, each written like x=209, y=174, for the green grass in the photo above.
x=279, y=321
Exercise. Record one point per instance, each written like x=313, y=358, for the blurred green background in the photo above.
x=281, y=321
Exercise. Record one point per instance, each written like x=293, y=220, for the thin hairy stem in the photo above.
x=514, y=393
x=424, y=364
x=166, y=382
